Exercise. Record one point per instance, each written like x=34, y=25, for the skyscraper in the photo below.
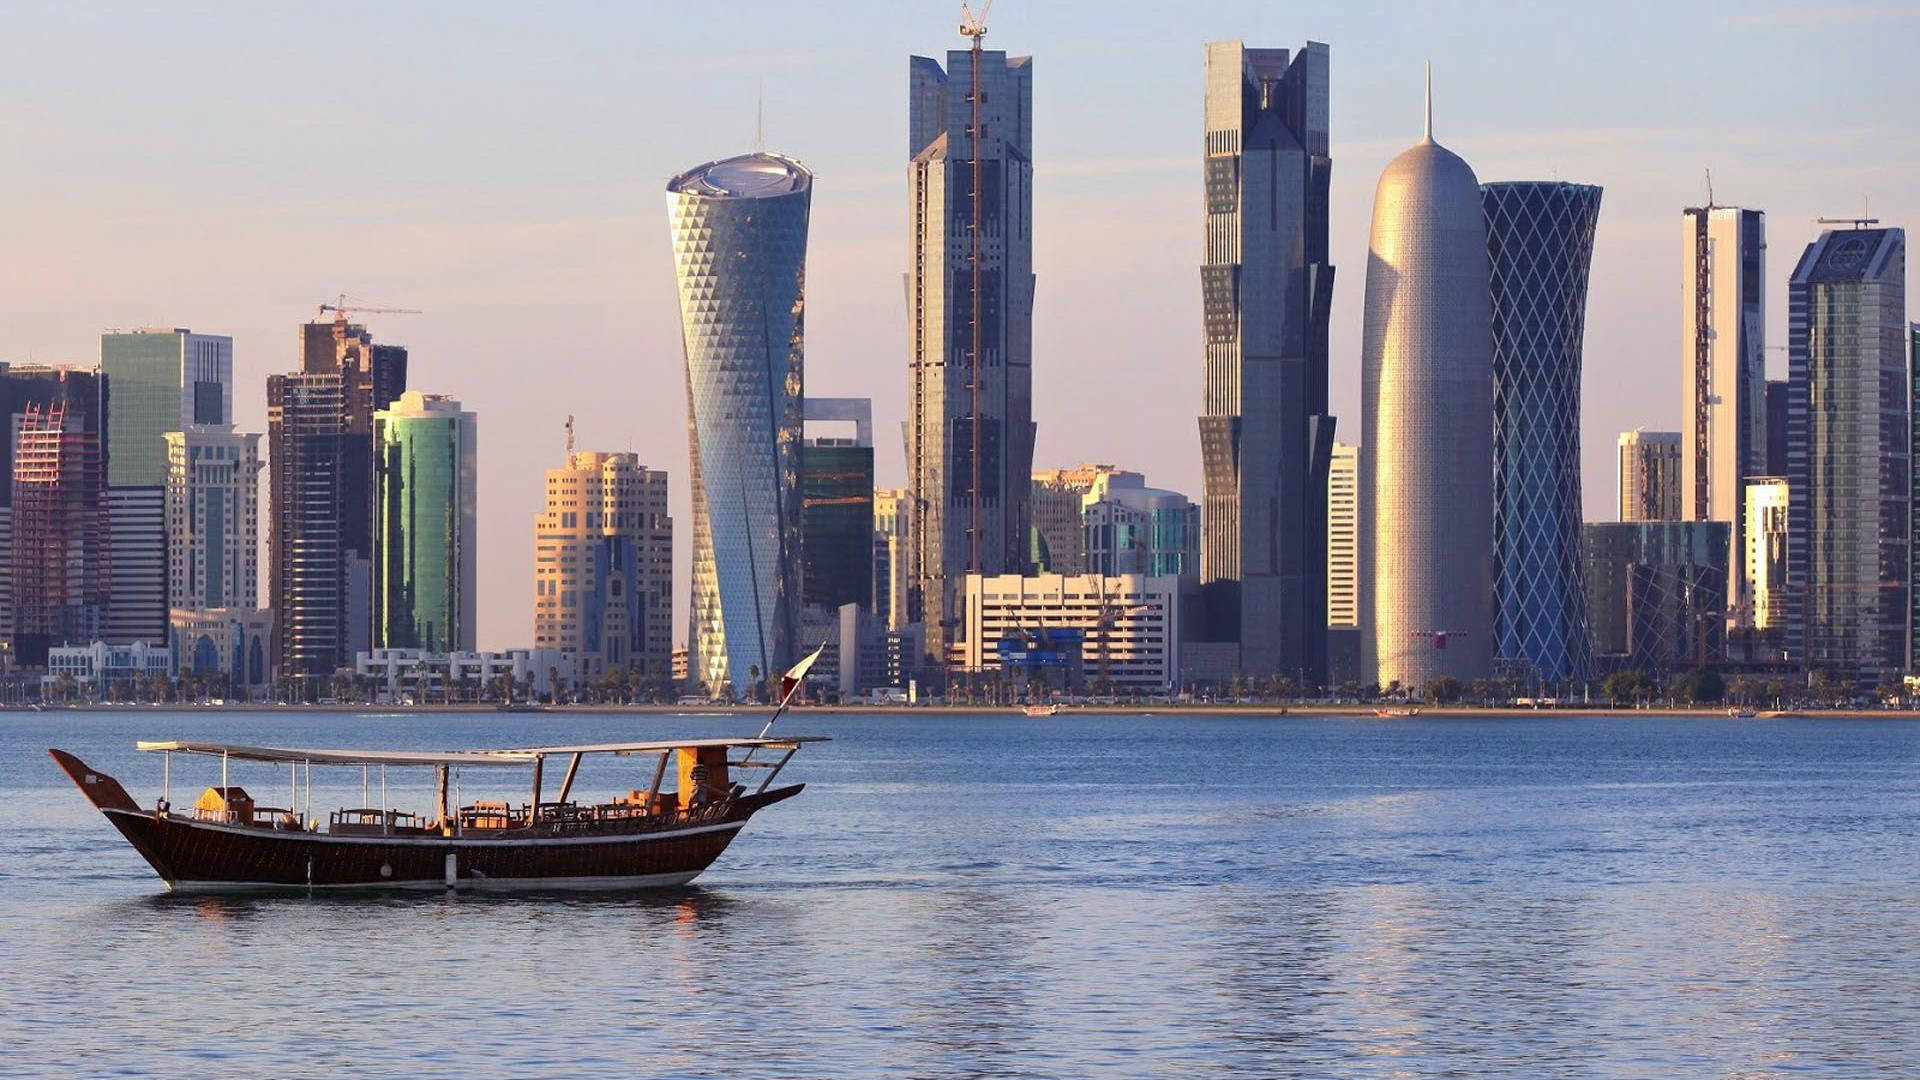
x=603, y=567
x=890, y=516
x=1539, y=245
x=321, y=487
x=1849, y=483
x=1768, y=506
x=837, y=505
x=1777, y=427
x=1267, y=289
x=1724, y=415
x=1343, y=537
x=307, y=487
x=160, y=381
x=1657, y=593
x=425, y=526
x=740, y=246
x=1131, y=528
x=213, y=517
x=1649, y=475
x=157, y=381
x=1913, y=508
x=60, y=581
x=23, y=387
x=1427, y=424
x=969, y=328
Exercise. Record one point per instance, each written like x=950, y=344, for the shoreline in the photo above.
x=1273, y=711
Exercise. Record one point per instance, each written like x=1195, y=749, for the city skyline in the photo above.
x=568, y=245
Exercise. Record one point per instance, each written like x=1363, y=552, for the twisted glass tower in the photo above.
x=740, y=248
x=1539, y=247
x=1427, y=423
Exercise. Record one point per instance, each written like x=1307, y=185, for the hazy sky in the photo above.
x=502, y=166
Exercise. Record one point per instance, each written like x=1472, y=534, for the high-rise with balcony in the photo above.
x=24, y=387
x=1849, y=480
x=603, y=567
x=739, y=229
x=1266, y=286
x=1723, y=326
x=1648, y=476
x=970, y=293
x=1343, y=537
x=321, y=490
x=213, y=517
x=59, y=543
x=1539, y=246
x=1426, y=486
x=425, y=455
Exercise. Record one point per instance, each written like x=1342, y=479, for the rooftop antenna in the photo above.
x=569, y=426
x=760, y=118
x=975, y=29
x=1428, y=135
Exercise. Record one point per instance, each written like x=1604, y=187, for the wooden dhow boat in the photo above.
x=647, y=838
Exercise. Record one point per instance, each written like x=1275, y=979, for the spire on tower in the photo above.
x=1428, y=134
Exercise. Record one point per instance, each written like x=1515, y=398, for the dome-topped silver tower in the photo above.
x=1427, y=423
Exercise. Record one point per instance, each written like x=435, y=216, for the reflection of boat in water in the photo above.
x=1039, y=710
x=642, y=839
x=1397, y=712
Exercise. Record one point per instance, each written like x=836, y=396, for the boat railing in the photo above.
x=370, y=821
x=250, y=816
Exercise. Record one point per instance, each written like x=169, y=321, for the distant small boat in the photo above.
x=1039, y=710
x=1396, y=712
x=1741, y=713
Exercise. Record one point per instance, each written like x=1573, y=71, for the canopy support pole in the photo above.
x=440, y=794
x=166, y=779
x=533, y=812
x=777, y=766
x=223, y=773
x=659, y=771
x=566, y=784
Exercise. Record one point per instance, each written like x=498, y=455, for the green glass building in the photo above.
x=424, y=524
x=160, y=381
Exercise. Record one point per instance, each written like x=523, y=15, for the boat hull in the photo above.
x=200, y=856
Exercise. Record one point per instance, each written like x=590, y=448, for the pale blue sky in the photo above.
x=501, y=166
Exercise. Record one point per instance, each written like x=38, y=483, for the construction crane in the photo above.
x=974, y=29
x=343, y=304
x=1865, y=219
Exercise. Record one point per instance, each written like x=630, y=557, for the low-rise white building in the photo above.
x=100, y=663
x=1129, y=626
x=419, y=675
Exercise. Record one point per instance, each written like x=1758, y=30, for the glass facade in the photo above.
x=425, y=470
x=1657, y=593
x=1539, y=246
x=160, y=381
x=1266, y=439
x=1849, y=434
x=739, y=231
x=212, y=507
x=944, y=346
x=837, y=524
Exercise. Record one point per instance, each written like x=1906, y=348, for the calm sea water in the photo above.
x=997, y=896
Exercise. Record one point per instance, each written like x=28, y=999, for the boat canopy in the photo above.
x=482, y=758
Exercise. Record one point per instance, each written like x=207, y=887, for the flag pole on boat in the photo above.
x=789, y=683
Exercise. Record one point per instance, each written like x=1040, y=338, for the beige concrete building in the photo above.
x=603, y=567
x=1130, y=625
x=1057, y=499
x=1343, y=536
x=1766, y=551
x=890, y=555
